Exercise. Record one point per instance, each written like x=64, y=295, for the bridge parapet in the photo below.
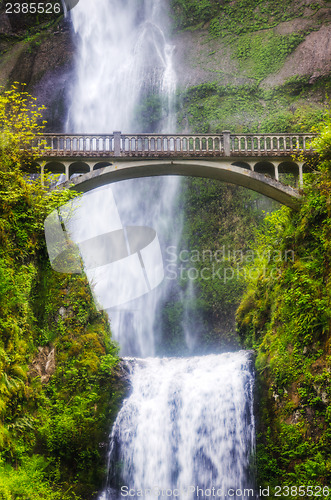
x=119, y=145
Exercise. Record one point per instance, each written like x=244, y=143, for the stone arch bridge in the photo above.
x=262, y=162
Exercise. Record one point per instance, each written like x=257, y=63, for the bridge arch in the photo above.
x=222, y=170
x=289, y=172
x=242, y=164
x=102, y=164
x=55, y=167
x=249, y=160
x=288, y=167
x=265, y=167
x=78, y=167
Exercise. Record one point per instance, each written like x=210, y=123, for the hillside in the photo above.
x=241, y=65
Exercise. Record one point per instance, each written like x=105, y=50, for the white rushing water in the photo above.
x=188, y=423
x=123, y=55
x=123, y=58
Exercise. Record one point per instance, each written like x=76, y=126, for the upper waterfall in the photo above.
x=124, y=71
x=122, y=56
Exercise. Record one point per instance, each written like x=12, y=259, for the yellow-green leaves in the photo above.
x=20, y=123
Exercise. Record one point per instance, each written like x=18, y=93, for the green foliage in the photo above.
x=234, y=17
x=285, y=314
x=192, y=12
x=263, y=53
x=19, y=125
x=212, y=107
x=30, y=481
x=53, y=419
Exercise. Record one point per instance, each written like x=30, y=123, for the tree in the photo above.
x=23, y=197
x=20, y=124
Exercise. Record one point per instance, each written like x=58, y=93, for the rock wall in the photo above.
x=40, y=52
x=42, y=57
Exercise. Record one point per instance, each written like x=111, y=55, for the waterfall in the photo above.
x=187, y=424
x=124, y=63
x=123, y=56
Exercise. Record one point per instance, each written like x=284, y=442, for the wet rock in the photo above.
x=296, y=415
x=5, y=27
x=65, y=312
x=44, y=364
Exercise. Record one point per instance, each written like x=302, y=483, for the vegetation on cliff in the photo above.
x=58, y=382
x=239, y=16
x=285, y=315
x=212, y=108
x=255, y=66
x=218, y=228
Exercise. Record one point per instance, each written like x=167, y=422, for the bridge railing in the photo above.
x=271, y=143
x=165, y=144
x=177, y=145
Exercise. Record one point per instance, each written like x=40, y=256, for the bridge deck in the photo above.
x=120, y=145
x=255, y=161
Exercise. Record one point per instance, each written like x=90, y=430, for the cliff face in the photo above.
x=239, y=44
x=285, y=316
x=201, y=57
x=42, y=56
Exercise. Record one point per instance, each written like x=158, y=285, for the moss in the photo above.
x=261, y=54
x=234, y=17
x=285, y=316
x=55, y=412
x=212, y=107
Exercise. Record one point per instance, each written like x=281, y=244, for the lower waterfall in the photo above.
x=186, y=430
